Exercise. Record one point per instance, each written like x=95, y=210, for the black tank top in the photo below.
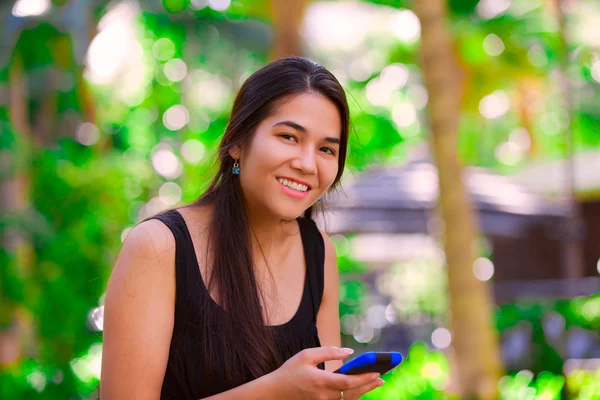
x=184, y=376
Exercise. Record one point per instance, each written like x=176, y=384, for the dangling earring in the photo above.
x=236, y=168
x=320, y=198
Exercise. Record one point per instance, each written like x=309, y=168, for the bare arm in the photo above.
x=139, y=317
x=328, y=319
x=138, y=314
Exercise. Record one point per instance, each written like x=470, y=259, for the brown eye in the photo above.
x=327, y=150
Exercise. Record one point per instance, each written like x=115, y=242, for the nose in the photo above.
x=305, y=161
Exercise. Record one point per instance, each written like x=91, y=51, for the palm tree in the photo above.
x=478, y=364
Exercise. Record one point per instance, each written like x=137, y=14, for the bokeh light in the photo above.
x=165, y=162
x=29, y=8
x=115, y=46
x=170, y=193
x=163, y=49
x=394, y=75
x=494, y=105
x=198, y=4
x=520, y=137
x=509, y=153
x=553, y=122
x=176, y=117
x=405, y=25
x=376, y=316
x=537, y=56
x=193, y=151
x=175, y=70
x=342, y=245
x=87, y=134
x=349, y=323
x=493, y=45
x=488, y=9
x=361, y=68
x=404, y=114
x=441, y=338
x=377, y=92
x=431, y=370
x=207, y=90
x=418, y=96
x=152, y=207
x=364, y=333
x=219, y=5
x=390, y=314
x=37, y=380
x=595, y=70
x=325, y=31
x=87, y=368
x=483, y=269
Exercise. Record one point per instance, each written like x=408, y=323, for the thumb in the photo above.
x=318, y=355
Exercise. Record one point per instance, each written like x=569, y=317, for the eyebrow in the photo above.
x=302, y=129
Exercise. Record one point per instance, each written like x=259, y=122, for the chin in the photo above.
x=289, y=213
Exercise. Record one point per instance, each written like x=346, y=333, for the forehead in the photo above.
x=316, y=113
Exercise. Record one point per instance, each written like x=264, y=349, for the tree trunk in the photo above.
x=478, y=364
x=287, y=17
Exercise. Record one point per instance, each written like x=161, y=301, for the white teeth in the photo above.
x=293, y=185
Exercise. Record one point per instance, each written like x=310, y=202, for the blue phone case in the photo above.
x=380, y=362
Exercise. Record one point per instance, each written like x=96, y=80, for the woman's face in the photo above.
x=293, y=157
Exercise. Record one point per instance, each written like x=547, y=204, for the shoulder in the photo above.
x=330, y=252
x=150, y=239
x=147, y=257
x=328, y=243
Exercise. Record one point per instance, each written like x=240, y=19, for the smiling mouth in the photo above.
x=292, y=185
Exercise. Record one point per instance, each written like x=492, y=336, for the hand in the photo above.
x=300, y=379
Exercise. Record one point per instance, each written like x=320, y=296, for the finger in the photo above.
x=348, y=382
x=335, y=394
x=317, y=355
x=358, y=392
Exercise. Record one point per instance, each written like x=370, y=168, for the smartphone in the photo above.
x=373, y=361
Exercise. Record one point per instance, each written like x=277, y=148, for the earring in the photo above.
x=236, y=168
x=320, y=198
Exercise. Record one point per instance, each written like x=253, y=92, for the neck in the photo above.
x=266, y=232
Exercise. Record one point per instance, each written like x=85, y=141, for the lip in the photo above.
x=295, y=180
x=293, y=193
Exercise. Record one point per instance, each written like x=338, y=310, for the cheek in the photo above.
x=328, y=174
x=268, y=153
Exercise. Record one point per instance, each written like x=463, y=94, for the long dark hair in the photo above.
x=243, y=345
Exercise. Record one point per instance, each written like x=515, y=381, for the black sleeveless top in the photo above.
x=184, y=378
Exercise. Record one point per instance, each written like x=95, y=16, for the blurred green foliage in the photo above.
x=422, y=375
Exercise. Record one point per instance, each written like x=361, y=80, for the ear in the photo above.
x=235, y=151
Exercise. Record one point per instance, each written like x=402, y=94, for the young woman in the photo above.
x=236, y=295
